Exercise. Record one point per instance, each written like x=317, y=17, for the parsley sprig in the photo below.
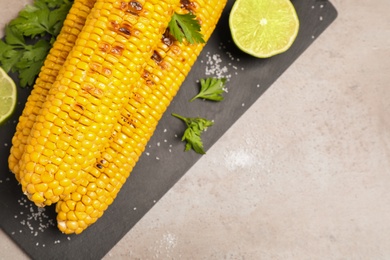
x=43, y=17
x=185, y=26
x=211, y=89
x=192, y=135
x=28, y=38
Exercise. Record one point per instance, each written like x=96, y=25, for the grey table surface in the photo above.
x=303, y=174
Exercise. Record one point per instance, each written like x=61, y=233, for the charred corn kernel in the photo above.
x=95, y=70
x=150, y=98
x=73, y=24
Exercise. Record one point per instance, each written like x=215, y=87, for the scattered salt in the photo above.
x=214, y=67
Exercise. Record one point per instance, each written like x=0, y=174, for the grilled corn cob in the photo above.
x=161, y=78
x=84, y=102
x=72, y=26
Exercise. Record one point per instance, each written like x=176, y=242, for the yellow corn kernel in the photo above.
x=149, y=99
x=72, y=25
x=114, y=90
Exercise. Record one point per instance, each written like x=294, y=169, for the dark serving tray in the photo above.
x=164, y=162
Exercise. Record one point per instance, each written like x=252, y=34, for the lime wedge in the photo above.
x=7, y=96
x=263, y=28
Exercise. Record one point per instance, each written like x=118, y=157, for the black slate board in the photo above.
x=164, y=161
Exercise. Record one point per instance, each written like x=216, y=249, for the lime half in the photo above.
x=263, y=28
x=7, y=96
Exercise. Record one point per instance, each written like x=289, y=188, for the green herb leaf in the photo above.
x=185, y=26
x=29, y=36
x=31, y=61
x=14, y=37
x=29, y=22
x=40, y=19
x=10, y=49
x=211, y=89
x=52, y=4
x=57, y=18
x=192, y=135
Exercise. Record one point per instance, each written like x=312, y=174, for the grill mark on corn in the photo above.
x=167, y=38
x=133, y=7
x=188, y=5
x=104, y=47
x=126, y=142
x=118, y=49
x=156, y=57
x=113, y=82
x=92, y=90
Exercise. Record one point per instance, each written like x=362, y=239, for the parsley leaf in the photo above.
x=57, y=18
x=31, y=61
x=29, y=37
x=40, y=19
x=29, y=21
x=185, y=26
x=11, y=49
x=52, y=4
x=192, y=135
x=211, y=89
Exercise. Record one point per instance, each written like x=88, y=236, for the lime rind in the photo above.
x=263, y=28
x=8, y=96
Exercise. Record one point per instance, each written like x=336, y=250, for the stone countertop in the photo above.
x=303, y=174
